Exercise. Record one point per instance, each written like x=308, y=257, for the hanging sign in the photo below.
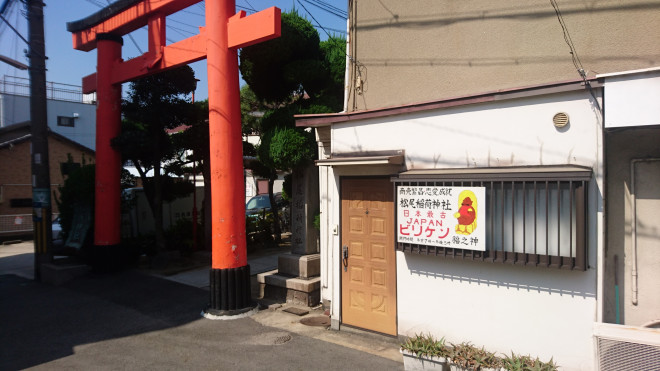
x=40, y=197
x=442, y=216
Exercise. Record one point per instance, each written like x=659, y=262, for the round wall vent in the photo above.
x=560, y=119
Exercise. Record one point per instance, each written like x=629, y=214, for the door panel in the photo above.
x=368, y=279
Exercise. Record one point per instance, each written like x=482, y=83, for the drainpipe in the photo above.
x=633, y=200
x=347, y=75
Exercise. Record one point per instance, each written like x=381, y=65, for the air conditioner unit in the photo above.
x=621, y=347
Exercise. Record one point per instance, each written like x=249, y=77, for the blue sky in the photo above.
x=68, y=66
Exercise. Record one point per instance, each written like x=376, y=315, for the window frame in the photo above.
x=70, y=121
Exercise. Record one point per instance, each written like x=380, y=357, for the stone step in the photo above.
x=300, y=291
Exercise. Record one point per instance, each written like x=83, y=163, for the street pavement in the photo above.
x=133, y=320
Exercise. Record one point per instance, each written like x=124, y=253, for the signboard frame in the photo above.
x=441, y=216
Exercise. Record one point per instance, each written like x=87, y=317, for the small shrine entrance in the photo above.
x=225, y=32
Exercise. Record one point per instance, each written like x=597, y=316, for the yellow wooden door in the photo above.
x=369, y=271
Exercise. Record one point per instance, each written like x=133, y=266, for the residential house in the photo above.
x=492, y=178
x=71, y=118
x=16, y=174
x=70, y=113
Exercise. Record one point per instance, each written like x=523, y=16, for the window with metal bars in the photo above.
x=534, y=215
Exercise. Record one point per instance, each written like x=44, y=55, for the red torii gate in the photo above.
x=218, y=42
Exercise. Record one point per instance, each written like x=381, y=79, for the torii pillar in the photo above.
x=225, y=32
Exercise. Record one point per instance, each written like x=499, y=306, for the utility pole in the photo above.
x=41, y=203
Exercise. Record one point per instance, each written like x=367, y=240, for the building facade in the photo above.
x=16, y=175
x=510, y=106
x=70, y=113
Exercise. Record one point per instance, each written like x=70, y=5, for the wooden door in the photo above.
x=369, y=273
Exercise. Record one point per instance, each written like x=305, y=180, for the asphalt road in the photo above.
x=130, y=320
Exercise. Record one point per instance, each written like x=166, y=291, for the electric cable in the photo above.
x=314, y=18
x=333, y=12
x=248, y=3
x=332, y=6
x=360, y=69
x=182, y=23
x=129, y=35
x=577, y=63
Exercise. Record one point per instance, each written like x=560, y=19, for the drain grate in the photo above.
x=282, y=339
x=269, y=338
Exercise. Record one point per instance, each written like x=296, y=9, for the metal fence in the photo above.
x=56, y=91
x=17, y=223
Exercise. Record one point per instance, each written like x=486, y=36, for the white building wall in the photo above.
x=84, y=131
x=516, y=132
x=537, y=311
x=632, y=98
x=15, y=109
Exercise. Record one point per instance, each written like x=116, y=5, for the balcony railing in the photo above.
x=54, y=90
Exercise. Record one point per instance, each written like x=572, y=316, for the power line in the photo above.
x=248, y=3
x=328, y=8
x=331, y=6
x=574, y=55
x=193, y=13
x=15, y=30
x=315, y=20
x=181, y=31
x=246, y=9
x=97, y=3
x=182, y=23
x=328, y=28
x=129, y=35
x=567, y=38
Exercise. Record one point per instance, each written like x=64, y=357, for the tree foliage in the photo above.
x=276, y=68
x=156, y=103
x=293, y=74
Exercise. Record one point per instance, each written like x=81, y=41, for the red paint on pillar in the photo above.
x=107, y=215
x=226, y=162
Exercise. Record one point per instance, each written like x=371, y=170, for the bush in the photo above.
x=426, y=346
x=179, y=236
x=77, y=190
x=470, y=357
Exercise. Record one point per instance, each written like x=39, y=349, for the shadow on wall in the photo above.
x=504, y=276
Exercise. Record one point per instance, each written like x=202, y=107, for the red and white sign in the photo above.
x=442, y=216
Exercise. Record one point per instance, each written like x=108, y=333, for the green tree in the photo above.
x=156, y=103
x=292, y=74
x=252, y=109
x=196, y=138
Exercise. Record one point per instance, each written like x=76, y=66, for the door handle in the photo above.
x=344, y=260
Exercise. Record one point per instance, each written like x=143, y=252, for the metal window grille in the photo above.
x=535, y=218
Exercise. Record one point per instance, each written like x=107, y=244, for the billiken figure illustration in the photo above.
x=467, y=213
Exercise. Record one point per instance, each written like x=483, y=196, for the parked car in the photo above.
x=259, y=205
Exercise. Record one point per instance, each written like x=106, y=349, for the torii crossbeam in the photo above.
x=225, y=32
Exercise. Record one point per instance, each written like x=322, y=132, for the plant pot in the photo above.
x=414, y=362
x=455, y=367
